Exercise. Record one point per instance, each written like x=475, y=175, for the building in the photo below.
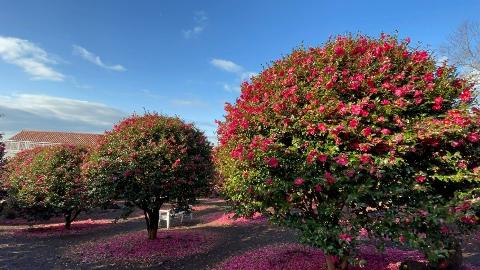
x=27, y=139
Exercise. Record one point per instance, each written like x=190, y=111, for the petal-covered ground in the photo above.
x=212, y=240
x=291, y=256
x=58, y=229
x=135, y=247
x=227, y=219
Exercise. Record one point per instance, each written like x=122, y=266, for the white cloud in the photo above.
x=41, y=112
x=231, y=87
x=31, y=58
x=95, y=59
x=188, y=102
x=232, y=67
x=200, y=18
x=226, y=65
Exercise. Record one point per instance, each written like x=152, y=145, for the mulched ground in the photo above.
x=210, y=241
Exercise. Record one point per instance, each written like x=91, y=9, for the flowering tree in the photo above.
x=46, y=181
x=149, y=160
x=360, y=138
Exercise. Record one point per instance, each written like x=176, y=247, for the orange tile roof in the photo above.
x=84, y=139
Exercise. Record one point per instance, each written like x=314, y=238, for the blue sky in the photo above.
x=83, y=65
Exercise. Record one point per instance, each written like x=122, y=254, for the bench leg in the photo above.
x=168, y=222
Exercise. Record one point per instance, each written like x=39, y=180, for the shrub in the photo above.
x=150, y=160
x=361, y=137
x=46, y=181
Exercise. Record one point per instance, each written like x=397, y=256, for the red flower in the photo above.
x=473, y=137
x=318, y=188
x=366, y=131
x=385, y=102
x=329, y=178
x=437, y=103
x=322, y=158
x=339, y=51
x=365, y=158
x=428, y=77
x=322, y=127
x=420, y=178
x=345, y=237
x=466, y=95
x=356, y=109
x=353, y=123
x=342, y=159
x=299, y=181
x=272, y=162
x=269, y=182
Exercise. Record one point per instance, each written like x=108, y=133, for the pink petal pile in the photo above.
x=227, y=219
x=135, y=247
x=297, y=256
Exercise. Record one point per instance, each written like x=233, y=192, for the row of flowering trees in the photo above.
x=145, y=160
x=362, y=138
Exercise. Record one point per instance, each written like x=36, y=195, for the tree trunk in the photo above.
x=332, y=265
x=152, y=218
x=68, y=220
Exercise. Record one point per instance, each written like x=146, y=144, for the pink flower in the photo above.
x=356, y=109
x=345, y=237
x=386, y=131
x=402, y=239
x=339, y=51
x=420, y=178
x=437, y=103
x=353, y=123
x=299, y=181
x=329, y=178
x=444, y=229
x=322, y=127
x=473, y=137
x=385, y=102
x=363, y=233
x=273, y=162
x=428, y=77
x=367, y=131
x=342, y=159
x=318, y=188
x=365, y=158
x=466, y=95
x=269, y=182
x=322, y=158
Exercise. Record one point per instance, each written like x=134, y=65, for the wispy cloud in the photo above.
x=231, y=87
x=42, y=112
x=31, y=58
x=188, y=102
x=95, y=59
x=200, y=18
x=229, y=66
x=226, y=65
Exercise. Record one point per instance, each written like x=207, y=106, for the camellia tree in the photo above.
x=150, y=160
x=361, y=138
x=46, y=181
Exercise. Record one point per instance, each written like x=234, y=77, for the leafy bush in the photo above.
x=362, y=137
x=46, y=181
x=150, y=160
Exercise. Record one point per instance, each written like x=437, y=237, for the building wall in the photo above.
x=13, y=147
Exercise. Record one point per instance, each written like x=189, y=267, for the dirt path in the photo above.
x=19, y=251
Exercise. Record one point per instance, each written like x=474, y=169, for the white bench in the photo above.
x=169, y=214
